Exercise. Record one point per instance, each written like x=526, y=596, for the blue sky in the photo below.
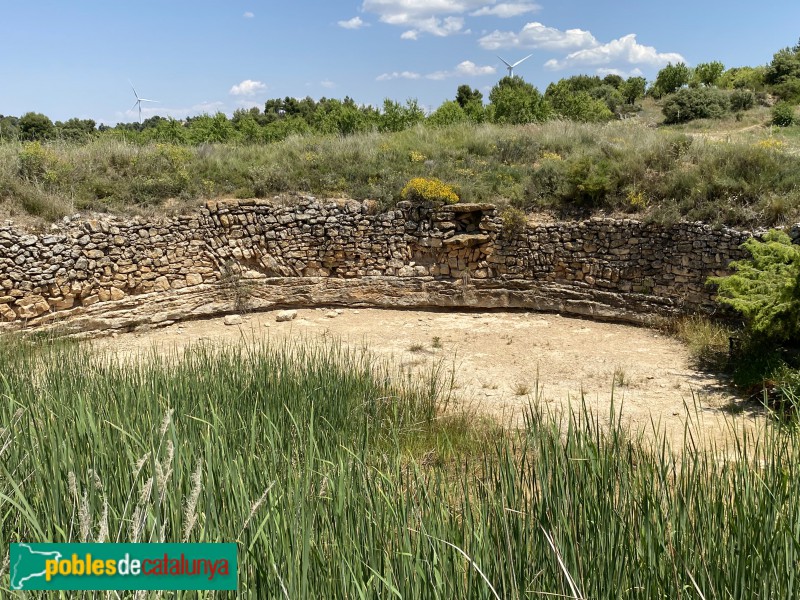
x=74, y=58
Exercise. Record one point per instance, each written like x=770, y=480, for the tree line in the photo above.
x=706, y=91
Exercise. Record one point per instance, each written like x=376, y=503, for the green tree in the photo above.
x=247, y=127
x=577, y=105
x=9, y=128
x=515, y=101
x=785, y=66
x=765, y=288
x=743, y=78
x=613, y=80
x=466, y=95
x=670, y=79
x=575, y=97
x=449, y=113
x=35, y=126
x=170, y=131
x=211, y=130
x=471, y=101
x=633, y=89
x=397, y=117
x=708, y=74
x=610, y=95
x=75, y=130
x=343, y=118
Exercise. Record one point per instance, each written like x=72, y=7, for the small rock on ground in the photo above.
x=233, y=320
x=285, y=315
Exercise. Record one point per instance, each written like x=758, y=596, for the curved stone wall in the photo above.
x=108, y=273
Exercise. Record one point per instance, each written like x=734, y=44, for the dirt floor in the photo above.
x=500, y=361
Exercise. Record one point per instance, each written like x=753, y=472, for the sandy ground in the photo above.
x=500, y=361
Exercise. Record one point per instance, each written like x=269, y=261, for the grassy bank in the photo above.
x=340, y=478
x=567, y=168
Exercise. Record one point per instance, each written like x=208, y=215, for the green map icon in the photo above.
x=28, y=565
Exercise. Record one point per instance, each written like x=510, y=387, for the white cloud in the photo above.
x=435, y=26
x=247, y=88
x=327, y=84
x=623, y=50
x=398, y=75
x=584, y=50
x=249, y=15
x=354, y=23
x=435, y=17
x=506, y=10
x=464, y=69
x=536, y=35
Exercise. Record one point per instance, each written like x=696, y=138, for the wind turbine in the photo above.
x=516, y=64
x=139, y=102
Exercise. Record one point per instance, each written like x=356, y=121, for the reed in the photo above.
x=314, y=460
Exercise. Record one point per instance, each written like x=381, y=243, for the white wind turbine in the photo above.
x=139, y=102
x=516, y=64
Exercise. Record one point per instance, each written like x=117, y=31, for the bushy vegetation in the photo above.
x=339, y=147
x=765, y=290
x=338, y=478
x=689, y=104
x=705, y=96
x=783, y=115
x=421, y=189
x=568, y=168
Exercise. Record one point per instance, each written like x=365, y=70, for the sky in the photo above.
x=75, y=58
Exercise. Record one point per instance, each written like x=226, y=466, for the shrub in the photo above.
x=449, y=113
x=783, y=115
x=516, y=102
x=39, y=164
x=591, y=180
x=514, y=219
x=421, y=189
x=765, y=289
x=695, y=103
x=707, y=341
x=548, y=181
x=742, y=100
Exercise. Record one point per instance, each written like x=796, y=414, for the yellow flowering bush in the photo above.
x=417, y=157
x=38, y=163
x=771, y=144
x=421, y=189
x=636, y=200
x=550, y=156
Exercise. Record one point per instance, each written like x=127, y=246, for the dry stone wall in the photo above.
x=109, y=273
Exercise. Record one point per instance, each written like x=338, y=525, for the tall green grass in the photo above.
x=310, y=458
x=568, y=168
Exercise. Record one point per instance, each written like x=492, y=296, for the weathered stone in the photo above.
x=247, y=245
x=7, y=313
x=233, y=320
x=89, y=300
x=286, y=315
